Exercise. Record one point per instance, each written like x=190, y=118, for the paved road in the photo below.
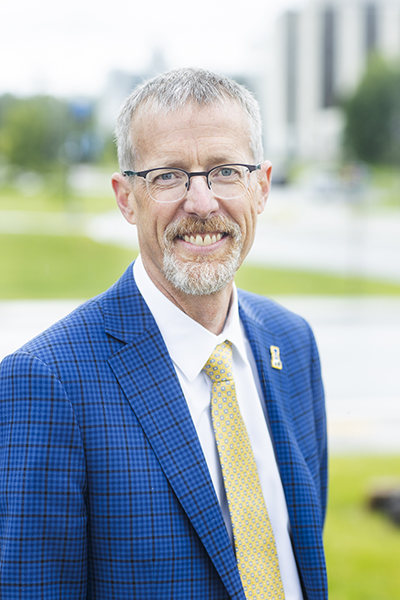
x=359, y=342
x=298, y=230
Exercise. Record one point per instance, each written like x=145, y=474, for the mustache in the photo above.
x=193, y=225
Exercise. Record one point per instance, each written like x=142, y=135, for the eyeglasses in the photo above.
x=227, y=182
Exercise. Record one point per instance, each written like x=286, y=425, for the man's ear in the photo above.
x=264, y=180
x=124, y=196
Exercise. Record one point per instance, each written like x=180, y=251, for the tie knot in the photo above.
x=219, y=365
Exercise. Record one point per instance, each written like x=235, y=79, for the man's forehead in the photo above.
x=162, y=136
x=150, y=114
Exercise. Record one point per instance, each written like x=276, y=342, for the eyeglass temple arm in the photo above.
x=256, y=167
x=132, y=173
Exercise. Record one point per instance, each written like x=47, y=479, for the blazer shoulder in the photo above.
x=86, y=324
x=269, y=314
x=87, y=315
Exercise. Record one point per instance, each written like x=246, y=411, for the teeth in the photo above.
x=199, y=241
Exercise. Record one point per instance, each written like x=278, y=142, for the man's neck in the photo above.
x=209, y=310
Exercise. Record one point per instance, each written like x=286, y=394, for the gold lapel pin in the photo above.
x=276, y=362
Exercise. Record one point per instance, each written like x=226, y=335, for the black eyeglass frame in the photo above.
x=205, y=174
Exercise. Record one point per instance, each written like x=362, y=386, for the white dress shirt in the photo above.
x=190, y=345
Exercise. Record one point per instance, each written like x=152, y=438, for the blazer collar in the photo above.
x=126, y=314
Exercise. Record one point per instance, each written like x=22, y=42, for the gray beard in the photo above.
x=201, y=277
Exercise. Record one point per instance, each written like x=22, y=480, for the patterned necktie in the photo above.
x=252, y=531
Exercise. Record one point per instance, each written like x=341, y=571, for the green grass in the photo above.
x=53, y=201
x=35, y=266
x=362, y=547
x=386, y=180
x=272, y=282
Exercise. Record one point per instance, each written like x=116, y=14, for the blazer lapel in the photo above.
x=301, y=495
x=146, y=374
x=275, y=387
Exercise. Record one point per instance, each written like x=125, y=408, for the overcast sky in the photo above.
x=67, y=48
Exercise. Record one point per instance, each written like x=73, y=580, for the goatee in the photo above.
x=202, y=275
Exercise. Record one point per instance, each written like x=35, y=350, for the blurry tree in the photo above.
x=372, y=131
x=5, y=102
x=42, y=133
x=32, y=132
x=108, y=154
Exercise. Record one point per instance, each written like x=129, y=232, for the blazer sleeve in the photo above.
x=42, y=485
x=320, y=423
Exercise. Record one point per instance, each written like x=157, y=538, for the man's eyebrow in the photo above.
x=210, y=164
x=223, y=160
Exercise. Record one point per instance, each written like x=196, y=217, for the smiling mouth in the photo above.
x=203, y=240
x=202, y=233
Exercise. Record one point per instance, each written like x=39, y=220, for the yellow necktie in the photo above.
x=256, y=553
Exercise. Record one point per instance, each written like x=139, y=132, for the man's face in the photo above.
x=194, y=245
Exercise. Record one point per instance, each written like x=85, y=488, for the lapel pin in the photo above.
x=276, y=362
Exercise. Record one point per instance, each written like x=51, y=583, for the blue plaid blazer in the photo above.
x=104, y=490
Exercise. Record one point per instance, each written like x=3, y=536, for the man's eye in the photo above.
x=226, y=172
x=166, y=177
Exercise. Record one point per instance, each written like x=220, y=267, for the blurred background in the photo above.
x=327, y=76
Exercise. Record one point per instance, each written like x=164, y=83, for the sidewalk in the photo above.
x=359, y=343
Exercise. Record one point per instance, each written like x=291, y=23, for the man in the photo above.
x=167, y=439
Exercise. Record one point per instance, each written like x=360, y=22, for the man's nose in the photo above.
x=199, y=199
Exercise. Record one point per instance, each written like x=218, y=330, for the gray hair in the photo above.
x=170, y=91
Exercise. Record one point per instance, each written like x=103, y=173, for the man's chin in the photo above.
x=200, y=278
x=205, y=272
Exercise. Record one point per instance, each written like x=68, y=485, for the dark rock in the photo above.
x=387, y=501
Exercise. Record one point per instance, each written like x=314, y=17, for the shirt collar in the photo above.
x=189, y=343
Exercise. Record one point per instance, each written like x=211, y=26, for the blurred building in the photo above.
x=120, y=85
x=317, y=55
